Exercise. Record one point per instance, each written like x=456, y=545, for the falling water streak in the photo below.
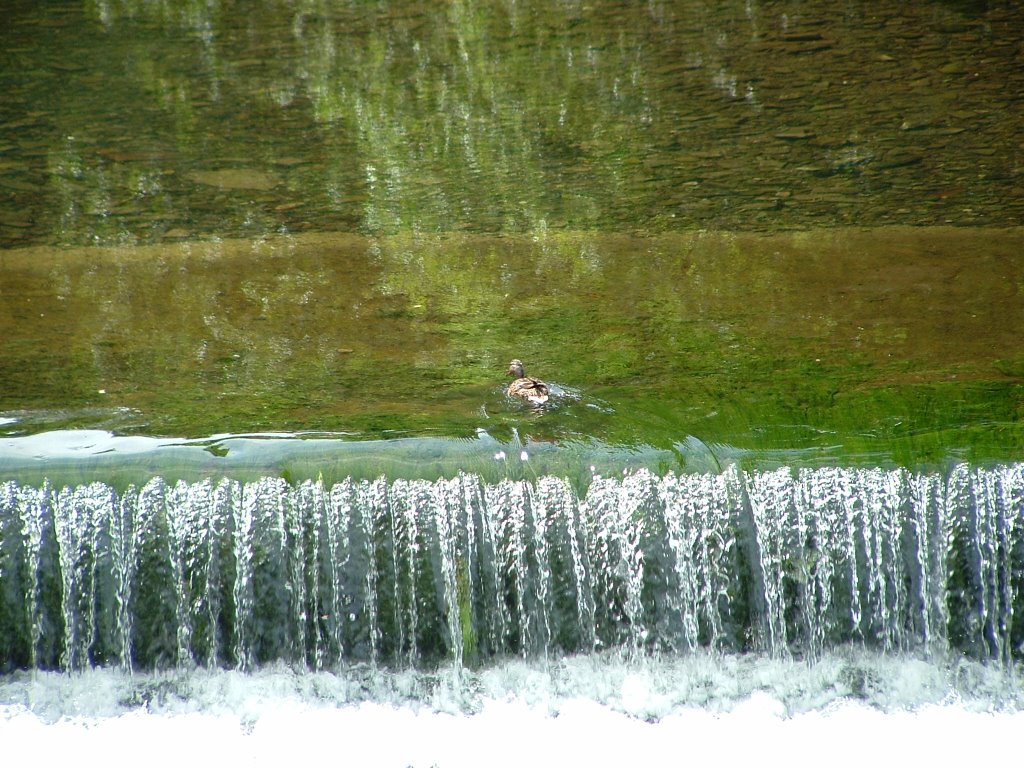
x=822, y=545
x=631, y=524
x=871, y=540
x=29, y=505
x=338, y=513
x=894, y=489
x=367, y=522
x=309, y=496
x=832, y=557
x=275, y=500
x=416, y=570
x=539, y=516
x=580, y=567
x=683, y=535
x=510, y=497
x=994, y=492
x=1011, y=497
x=616, y=509
x=75, y=526
x=180, y=512
x=407, y=541
x=123, y=562
x=852, y=512
x=770, y=497
x=601, y=560
x=244, y=522
x=802, y=551
x=495, y=608
x=715, y=521
x=219, y=529
x=468, y=591
x=295, y=550
x=926, y=519
x=867, y=530
x=398, y=618
x=445, y=522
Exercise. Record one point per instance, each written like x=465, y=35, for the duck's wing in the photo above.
x=539, y=386
x=532, y=389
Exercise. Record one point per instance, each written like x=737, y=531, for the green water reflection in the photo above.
x=901, y=340
x=763, y=226
x=127, y=121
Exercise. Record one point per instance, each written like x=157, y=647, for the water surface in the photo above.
x=757, y=225
x=255, y=255
x=130, y=121
x=901, y=342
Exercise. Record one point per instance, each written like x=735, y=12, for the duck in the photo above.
x=528, y=388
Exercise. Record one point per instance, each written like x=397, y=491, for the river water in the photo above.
x=131, y=121
x=263, y=266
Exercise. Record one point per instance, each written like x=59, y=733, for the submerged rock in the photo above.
x=236, y=178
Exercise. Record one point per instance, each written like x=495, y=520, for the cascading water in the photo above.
x=788, y=562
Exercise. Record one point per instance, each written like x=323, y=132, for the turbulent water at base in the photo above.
x=786, y=563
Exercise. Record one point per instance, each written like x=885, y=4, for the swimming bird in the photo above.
x=530, y=389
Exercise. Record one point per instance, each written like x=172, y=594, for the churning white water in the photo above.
x=851, y=708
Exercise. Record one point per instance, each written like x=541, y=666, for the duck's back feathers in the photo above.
x=529, y=388
x=526, y=387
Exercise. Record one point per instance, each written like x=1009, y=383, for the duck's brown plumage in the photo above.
x=526, y=387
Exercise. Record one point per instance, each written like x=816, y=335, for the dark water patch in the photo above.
x=619, y=117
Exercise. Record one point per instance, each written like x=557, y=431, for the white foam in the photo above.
x=513, y=733
x=76, y=443
x=850, y=709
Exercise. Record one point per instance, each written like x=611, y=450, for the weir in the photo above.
x=790, y=562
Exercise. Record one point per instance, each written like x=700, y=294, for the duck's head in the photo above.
x=515, y=368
